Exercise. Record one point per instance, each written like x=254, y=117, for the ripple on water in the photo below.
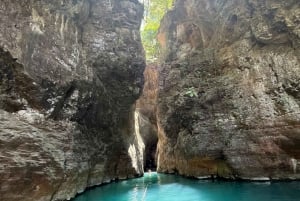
x=161, y=187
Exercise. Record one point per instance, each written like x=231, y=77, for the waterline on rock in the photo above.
x=161, y=187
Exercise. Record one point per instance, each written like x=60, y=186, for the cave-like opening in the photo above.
x=154, y=11
x=147, y=120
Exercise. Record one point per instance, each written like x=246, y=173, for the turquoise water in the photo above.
x=160, y=187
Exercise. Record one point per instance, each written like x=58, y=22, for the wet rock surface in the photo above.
x=229, y=89
x=70, y=73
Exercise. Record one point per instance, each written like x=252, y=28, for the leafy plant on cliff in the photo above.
x=154, y=12
x=191, y=92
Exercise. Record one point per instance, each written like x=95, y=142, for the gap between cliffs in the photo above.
x=146, y=119
x=146, y=105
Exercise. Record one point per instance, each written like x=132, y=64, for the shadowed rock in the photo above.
x=70, y=73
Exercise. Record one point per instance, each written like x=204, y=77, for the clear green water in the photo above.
x=160, y=187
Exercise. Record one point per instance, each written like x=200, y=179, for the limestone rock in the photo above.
x=229, y=99
x=70, y=73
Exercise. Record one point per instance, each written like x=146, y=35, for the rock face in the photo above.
x=70, y=73
x=229, y=100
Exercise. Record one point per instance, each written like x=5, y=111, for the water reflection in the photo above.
x=159, y=187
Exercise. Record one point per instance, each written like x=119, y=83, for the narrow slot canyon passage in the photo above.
x=146, y=107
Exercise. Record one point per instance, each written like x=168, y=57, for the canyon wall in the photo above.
x=70, y=73
x=229, y=89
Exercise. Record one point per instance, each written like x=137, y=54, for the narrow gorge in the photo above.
x=81, y=107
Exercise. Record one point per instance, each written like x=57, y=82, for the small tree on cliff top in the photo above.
x=154, y=12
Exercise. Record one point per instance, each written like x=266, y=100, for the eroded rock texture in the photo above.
x=229, y=100
x=70, y=72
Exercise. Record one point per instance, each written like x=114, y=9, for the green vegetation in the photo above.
x=154, y=12
x=191, y=92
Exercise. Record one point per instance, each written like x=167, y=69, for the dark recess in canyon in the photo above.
x=146, y=111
